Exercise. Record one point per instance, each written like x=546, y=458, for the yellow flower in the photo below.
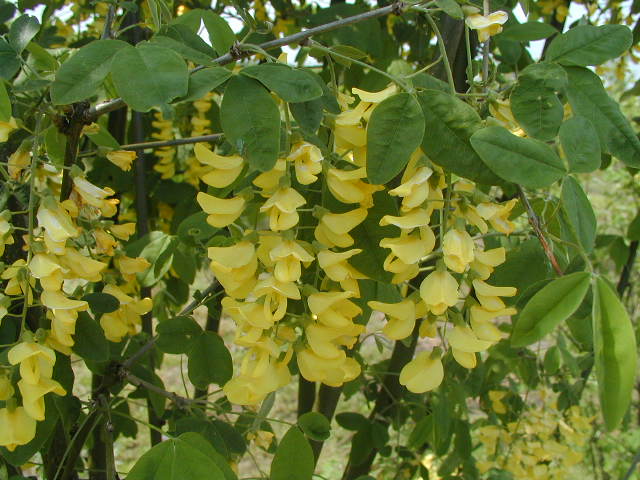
x=496, y=397
x=274, y=294
x=16, y=427
x=45, y=267
x=288, y=256
x=235, y=267
x=81, y=266
x=415, y=218
x=485, y=261
x=56, y=222
x=123, y=231
x=337, y=268
x=439, y=291
x=457, y=249
x=487, y=26
x=410, y=247
x=95, y=196
x=423, y=373
x=16, y=284
x=6, y=389
x=269, y=181
x=333, y=309
x=333, y=372
x=36, y=361
x=333, y=228
x=281, y=208
x=18, y=161
x=347, y=187
x=131, y=266
x=307, y=160
x=488, y=295
x=465, y=344
x=225, y=169
x=33, y=395
x=326, y=341
x=6, y=128
x=122, y=159
x=415, y=190
x=401, y=318
x=222, y=211
x=105, y=243
x=126, y=319
x=498, y=215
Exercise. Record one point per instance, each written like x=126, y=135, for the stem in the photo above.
x=76, y=122
x=443, y=52
x=328, y=398
x=397, y=8
x=535, y=223
x=306, y=395
x=624, y=282
x=111, y=14
x=485, y=49
x=168, y=143
x=174, y=397
x=393, y=78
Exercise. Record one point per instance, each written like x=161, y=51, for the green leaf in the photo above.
x=549, y=75
x=175, y=459
x=449, y=123
x=185, y=47
x=580, y=213
x=102, y=302
x=554, y=303
x=5, y=103
x=338, y=52
x=293, y=459
x=251, y=121
x=633, y=232
x=43, y=60
x=90, y=342
x=308, y=114
x=552, y=360
x=177, y=334
x=315, y=426
x=22, y=30
x=148, y=76
x=80, y=76
x=394, y=131
x=205, y=80
x=352, y=421
x=581, y=145
x=157, y=248
x=589, y=99
x=528, y=32
x=220, y=33
x=537, y=109
x=451, y=8
x=102, y=138
x=368, y=235
x=525, y=161
x=9, y=60
x=289, y=84
x=616, y=360
x=421, y=432
x=200, y=443
x=589, y=45
x=209, y=361
x=194, y=230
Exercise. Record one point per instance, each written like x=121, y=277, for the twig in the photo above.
x=624, y=282
x=186, y=311
x=174, y=397
x=443, y=53
x=632, y=467
x=486, y=49
x=397, y=8
x=534, y=221
x=73, y=131
x=169, y=143
x=111, y=14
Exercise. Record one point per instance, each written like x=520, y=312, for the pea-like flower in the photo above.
x=222, y=211
x=457, y=249
x=122, y=159
x=423, y=373
x=282, y=209
x=225, y=170
x=17, y=427
x=333, y=228
x=487, y=26
x=439, y=291
x=401, y=317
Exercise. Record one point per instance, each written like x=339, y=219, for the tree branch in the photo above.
x=396, y=8
x=168, y=143
x=534, y=221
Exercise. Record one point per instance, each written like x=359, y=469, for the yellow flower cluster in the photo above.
x=63, y=257
x=543, y=444
x=261, y=269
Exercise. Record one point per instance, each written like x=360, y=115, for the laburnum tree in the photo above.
x=235, y=233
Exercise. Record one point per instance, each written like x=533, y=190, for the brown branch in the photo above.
x=535, y=223
x=625, y=276
x=300, y=37
x=169, y=143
